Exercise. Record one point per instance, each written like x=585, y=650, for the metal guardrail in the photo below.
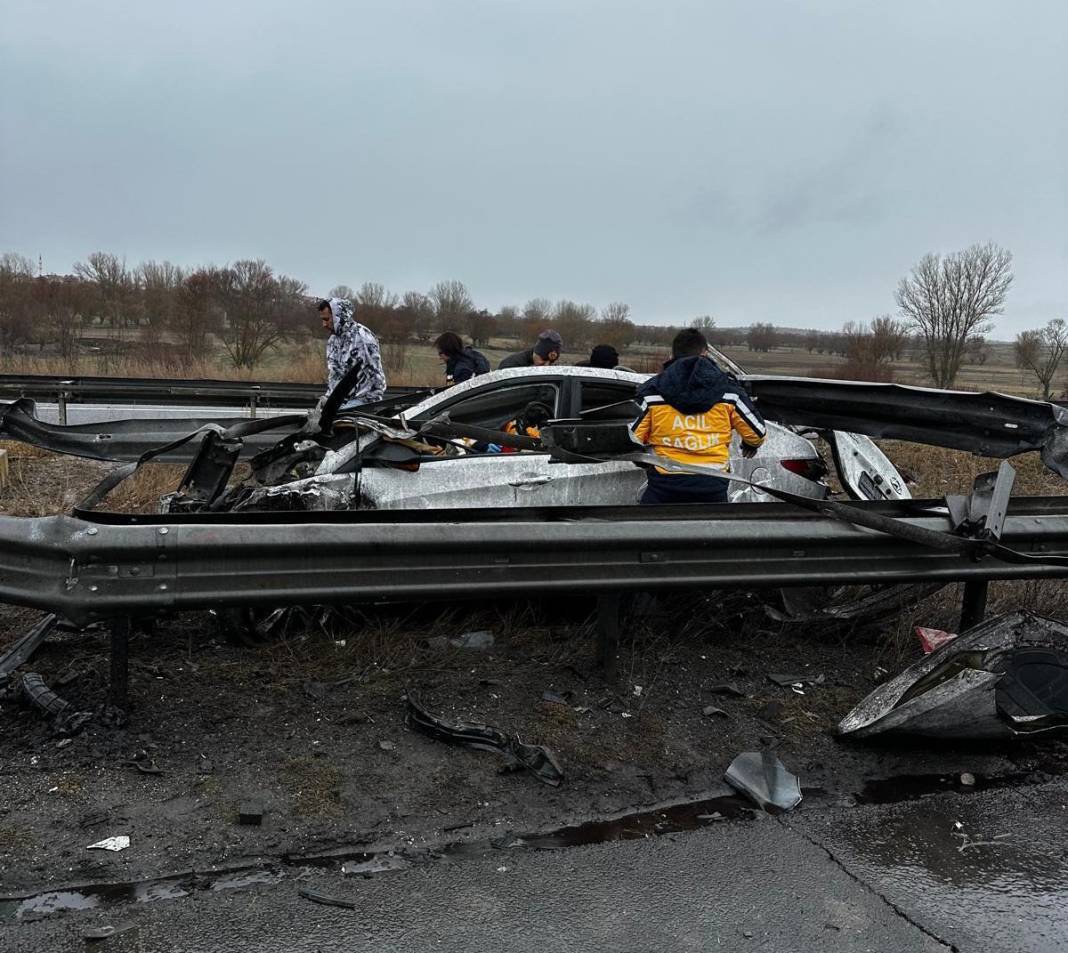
x=130, y=565
x=134, y=390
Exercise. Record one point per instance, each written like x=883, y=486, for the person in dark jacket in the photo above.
x=688, y=413
x=546, y=350
x=603, y=355
x=461, y=363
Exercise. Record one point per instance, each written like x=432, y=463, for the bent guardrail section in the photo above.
x=128, y=566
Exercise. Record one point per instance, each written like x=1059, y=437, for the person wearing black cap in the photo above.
x=546, y=350
x=603, y=355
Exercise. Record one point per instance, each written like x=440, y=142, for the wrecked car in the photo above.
x=445, y=451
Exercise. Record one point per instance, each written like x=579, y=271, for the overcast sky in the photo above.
x=773, y=161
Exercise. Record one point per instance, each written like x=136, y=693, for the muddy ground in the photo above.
x=311, y=723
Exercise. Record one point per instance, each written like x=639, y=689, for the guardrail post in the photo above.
x=118, y=688
x=253, y=402
x=61, y=406
x=973, y=605
x=608, y=633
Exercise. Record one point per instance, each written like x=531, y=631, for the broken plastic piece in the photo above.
x=931, y=639
x=326, y=899
x=1005, y=678
x=119, y=842
x=538, y=760
x=726, y=688
x=41, y=696
x=764, y=778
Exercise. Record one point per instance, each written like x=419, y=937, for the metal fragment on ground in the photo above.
x=761, y=776
x=119, y=842
x=22, y=649
x=1005, y=678
x=540, y=761
x=788, y=681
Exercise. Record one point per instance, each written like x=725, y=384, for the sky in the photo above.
x=776, y=161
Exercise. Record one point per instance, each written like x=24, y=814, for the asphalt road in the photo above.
x=984, y=872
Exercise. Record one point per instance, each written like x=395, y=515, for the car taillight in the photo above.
x=811, y=468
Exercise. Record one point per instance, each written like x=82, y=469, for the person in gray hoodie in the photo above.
x=350, y=345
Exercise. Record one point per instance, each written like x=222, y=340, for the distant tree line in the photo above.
x=246, y=309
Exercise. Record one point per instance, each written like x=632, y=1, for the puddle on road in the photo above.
x=989, y=874
x=912, y=787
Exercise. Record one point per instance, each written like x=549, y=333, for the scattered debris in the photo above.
x=93, y=934
x=931, y=639
x=119, y=842
x=796, y=681
x=539, y=760
x=967, y=779
x=326, y=899
x=250, y=813
x=379, y=864
x=64, y=742
x=726, y=688
x=764, y=778
x=553, y=698
x=1005, y=678
x=22, y=649
x=66, y=720
x=479, y=641
x=711, y=711
x=387, y=745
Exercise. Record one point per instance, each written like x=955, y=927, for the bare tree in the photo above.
x=871, y=349
x=451, y=302
x=256, y=305
x=704, y=322
x=615, y=326
x=481, y=326
x=159, y=283
x=112, y=284
x=16, y=300
x=950, y=300
x=374, y=295
x=574, y=322
x=421, y=309
x=199, y=311
x=762, y=337
x=342, y=291
x=1043, y=352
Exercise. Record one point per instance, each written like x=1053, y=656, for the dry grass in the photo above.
x=938, y=471
x=315, y=786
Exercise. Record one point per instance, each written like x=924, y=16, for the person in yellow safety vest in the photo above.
x=688, y=413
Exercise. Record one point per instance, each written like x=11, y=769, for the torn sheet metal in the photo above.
x=992, y=425
x=22, y=649
x=811, y=605
x=540, y=761
x=129, y=440
x=1005, y=678
x=761, y=776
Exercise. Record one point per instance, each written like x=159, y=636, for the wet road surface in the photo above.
x=930, y=874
